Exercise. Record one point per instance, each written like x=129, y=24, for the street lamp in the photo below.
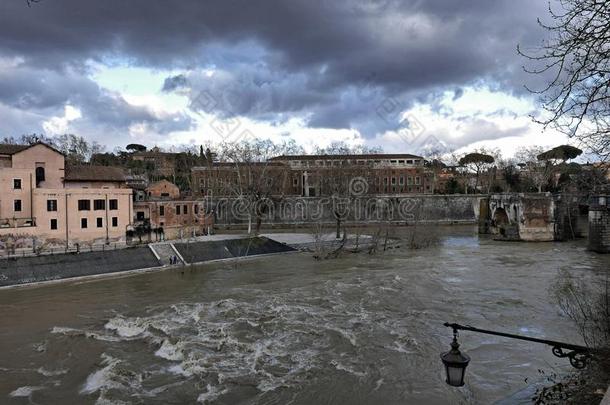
x=455, y=363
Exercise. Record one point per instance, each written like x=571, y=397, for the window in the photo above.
x=177, y=210
x=393, y=180
x=99, y=205
x=196, y=209
x=115, y=222
x=409, y=161
x=17, y=184
x=83, y=223
x=417, y=180
x=100, y=222
x=402, y=180
x=164, y=194
x=140, y=216
x=113, y=204
x=53, y=224
x=84, y=205
x=409, y=180
x=161, y=211
x=17, y=205
x=51, y=205
x=39, y=174
x=186, y=209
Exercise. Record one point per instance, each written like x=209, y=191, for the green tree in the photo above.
x=476, y=162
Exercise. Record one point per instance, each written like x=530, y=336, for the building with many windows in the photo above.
x=44, y=200
x=319, y=175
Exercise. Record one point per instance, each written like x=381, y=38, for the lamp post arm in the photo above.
x=578, y=355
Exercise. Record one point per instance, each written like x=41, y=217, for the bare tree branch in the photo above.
x=576, y=99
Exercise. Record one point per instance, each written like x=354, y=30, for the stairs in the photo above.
x=164, y=251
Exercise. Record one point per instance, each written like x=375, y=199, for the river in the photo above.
x=288, y=329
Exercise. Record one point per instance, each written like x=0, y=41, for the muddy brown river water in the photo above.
x=291, y=330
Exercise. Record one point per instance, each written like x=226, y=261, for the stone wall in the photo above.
x=521, y=216
x=533, y=217
x=599, y=224
x=305, y=210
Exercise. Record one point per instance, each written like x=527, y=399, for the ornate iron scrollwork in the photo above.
x=579, y=356
x=578, y=359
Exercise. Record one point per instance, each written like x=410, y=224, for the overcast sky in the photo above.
x=410, y=76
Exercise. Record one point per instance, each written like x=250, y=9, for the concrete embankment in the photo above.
x=46, y=268
x=198, y=252
x=54, y=267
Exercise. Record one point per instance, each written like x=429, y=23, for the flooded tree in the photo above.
x=257, y=183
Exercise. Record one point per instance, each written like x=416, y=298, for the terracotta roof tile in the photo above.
x=94, y=173
x=9, y=149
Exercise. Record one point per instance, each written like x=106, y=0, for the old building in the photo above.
x=225, y=179
x=163, y=189
x=43, y=200
x=318, y=175
x=314, y=175
x=161, y=163
x=166, y=215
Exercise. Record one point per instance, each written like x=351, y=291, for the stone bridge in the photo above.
x=527, y=217
x=533, y=216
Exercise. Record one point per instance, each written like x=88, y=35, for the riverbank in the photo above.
x=54, y=268
x=46, y=269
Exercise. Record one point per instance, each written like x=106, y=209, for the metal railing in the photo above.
x=46, y=251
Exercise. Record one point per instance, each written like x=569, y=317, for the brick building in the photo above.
x=317, y=175
x=225, y=179
x=163, y=163
x=314, y=175
x=163, y=189
x=165, y=211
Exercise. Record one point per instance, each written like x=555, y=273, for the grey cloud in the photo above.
x=173, y=83
x=334, y=62
x=40, y=94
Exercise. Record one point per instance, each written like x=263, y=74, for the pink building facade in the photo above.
x=43, y=202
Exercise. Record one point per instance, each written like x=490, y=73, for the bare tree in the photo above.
x=576, y=57
x=539, y=171
x=587, y=304
x=255, y=181
x=342, y=180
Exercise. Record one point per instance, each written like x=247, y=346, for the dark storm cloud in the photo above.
x=173, y=83
x=332, y=61
x=42, y=93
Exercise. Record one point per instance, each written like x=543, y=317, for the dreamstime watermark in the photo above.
x=356, y=205
x=408, y=127
x=225, y=121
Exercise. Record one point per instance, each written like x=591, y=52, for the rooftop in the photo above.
x=9, y=149
x=371, y=156
x=94, y=173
